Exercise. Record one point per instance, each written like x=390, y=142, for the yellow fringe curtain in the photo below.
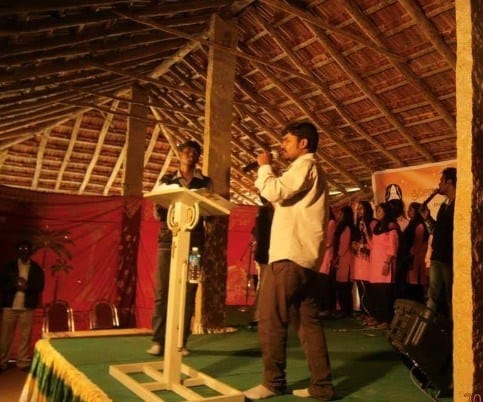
x=52, y=378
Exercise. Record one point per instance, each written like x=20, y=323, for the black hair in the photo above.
x=304, y=129
x=450, y=174
x=397, y=207
x=190, y=144
x=367, y=218
x=388, y=222
x=347, y=221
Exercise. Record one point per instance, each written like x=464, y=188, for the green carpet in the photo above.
x=365, y=367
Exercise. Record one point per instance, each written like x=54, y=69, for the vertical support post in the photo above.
x=132, y=181
x=467, y=237
x=220, y=84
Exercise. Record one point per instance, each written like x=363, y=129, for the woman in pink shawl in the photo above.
x=365, y=222
x=343, y=259
x=384, y=244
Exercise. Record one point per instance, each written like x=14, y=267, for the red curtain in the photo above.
x=113, y=243
x=240, y=290
x=90, y=229
x=239, y=260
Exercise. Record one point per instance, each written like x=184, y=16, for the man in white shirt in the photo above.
x=290, y=286
x=21, y=284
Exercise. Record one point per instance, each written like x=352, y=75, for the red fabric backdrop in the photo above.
x=240, y=290
x=105, y=235
x=91, y=228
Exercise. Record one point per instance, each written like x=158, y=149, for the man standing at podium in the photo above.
x=189, y=176
x=296, y=247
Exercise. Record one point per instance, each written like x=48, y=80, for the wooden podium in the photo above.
x=184, y=210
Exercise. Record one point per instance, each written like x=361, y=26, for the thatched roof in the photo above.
x=376, y=76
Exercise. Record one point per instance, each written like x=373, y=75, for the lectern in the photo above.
x=184, y=209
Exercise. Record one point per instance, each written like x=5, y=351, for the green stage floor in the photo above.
x=365, y=367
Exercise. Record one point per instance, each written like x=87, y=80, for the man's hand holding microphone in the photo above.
x=264, y=158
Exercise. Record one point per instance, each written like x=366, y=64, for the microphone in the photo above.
x=250, y=166
x=431, y=196
x=253, y=165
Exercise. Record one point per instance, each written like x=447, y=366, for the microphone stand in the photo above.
x=249, y=246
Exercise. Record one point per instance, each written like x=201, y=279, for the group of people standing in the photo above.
x=383, y=253
x=374, y=248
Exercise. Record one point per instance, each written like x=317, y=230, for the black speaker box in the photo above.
x=426, y=338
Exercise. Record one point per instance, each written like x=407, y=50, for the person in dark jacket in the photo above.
x=441, y=270
x=261, y=234
x=21, y=283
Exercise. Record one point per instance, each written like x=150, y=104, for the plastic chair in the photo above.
x=58, y=317
x=103, y=315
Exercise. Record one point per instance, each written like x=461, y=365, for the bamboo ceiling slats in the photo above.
x=377, y=77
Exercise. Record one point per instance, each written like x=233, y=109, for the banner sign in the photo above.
x=412, y=184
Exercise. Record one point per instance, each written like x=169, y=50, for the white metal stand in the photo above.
x=185, y=208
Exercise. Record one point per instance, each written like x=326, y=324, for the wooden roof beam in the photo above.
x=198, y=138
x=27, y=7
x=318, y=31
x=277, y=118
x=63, y=48
x=98, y=149
x=135, y=57
x=276, y=136
x=311, y=19
x=48, y=25
x=44, y=99
x=33, y=6
x=84, y=77
x=172, y=109
x=175, y=58
x=370, y=93
x=115, y=170
x=234, y=8
x=26, y=123
x=166, y=132
x=40, y=157
x=368, y=27
x=241, y=195
x=327, y=94
x=143, y=78
x=429, y=31
x=38, y=129
x=164, y=168
x=235, y=52
x=4, y=145
x=68, y=152
x=326, y=130
x=152, y=143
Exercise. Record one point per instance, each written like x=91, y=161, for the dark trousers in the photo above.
x=383, y=294
x=161, y=299
x=440, y=281
x=292, y=291
x=328, y=292
x=344, y=296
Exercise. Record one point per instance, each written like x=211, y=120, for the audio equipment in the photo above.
x=426, y=339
